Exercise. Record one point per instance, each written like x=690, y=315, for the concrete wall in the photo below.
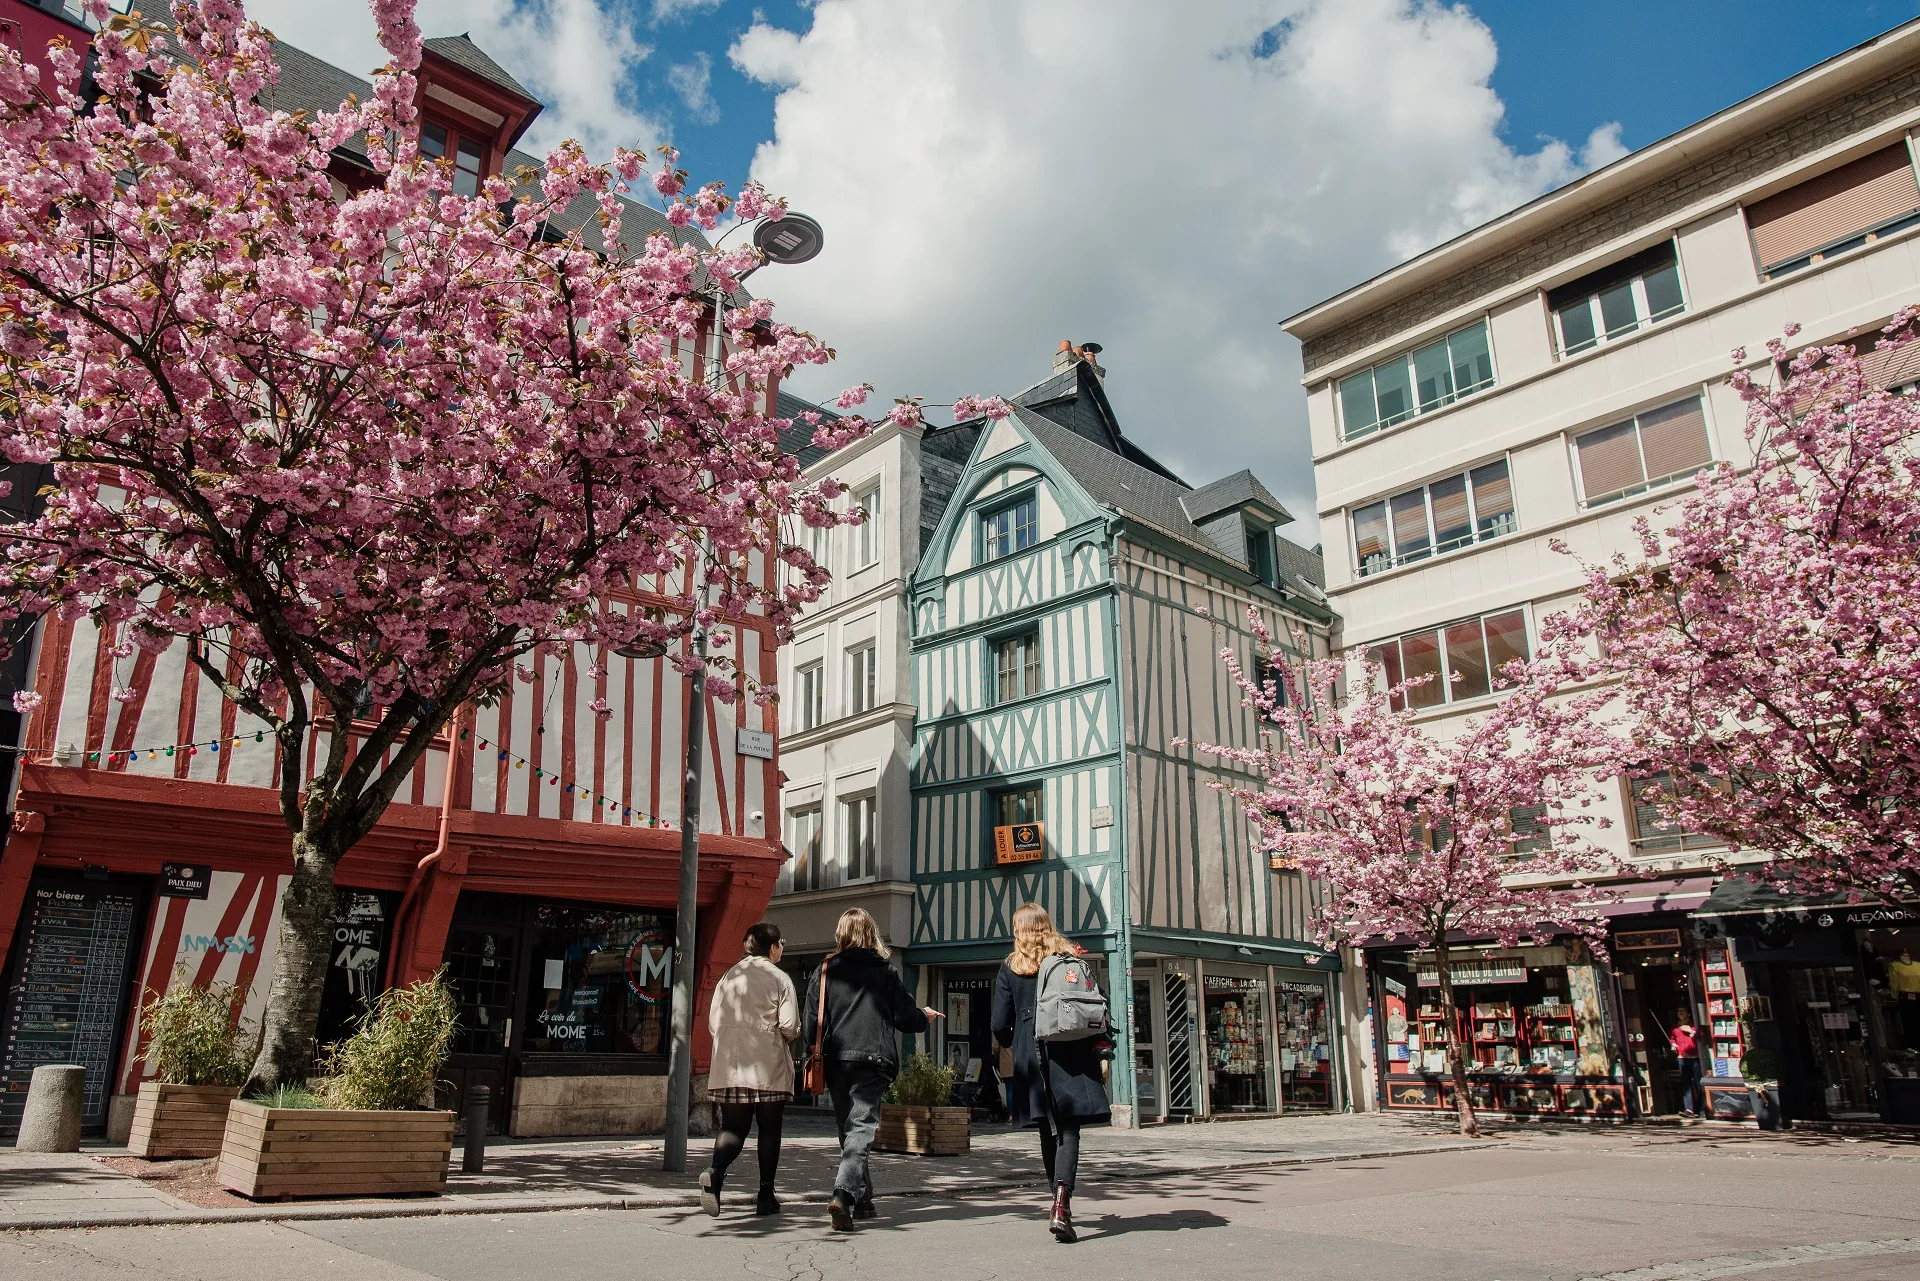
x=545, y=1106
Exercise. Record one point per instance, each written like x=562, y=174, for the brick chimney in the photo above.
x=1069, y=352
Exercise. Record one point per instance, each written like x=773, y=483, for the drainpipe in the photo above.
x=440, y=846
x=1122, y=1083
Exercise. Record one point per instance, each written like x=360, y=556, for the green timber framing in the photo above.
x=1128, y=664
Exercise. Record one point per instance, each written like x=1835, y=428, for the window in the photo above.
x=856, y=839
x=812, y=706
x=1653, y=833
x=866, y=535
x=437, y=142
x=1648, y=449
x=1260, y=554
x=1463, y=659
x=1416, y=383
x=1840, y=210
x=803, y=842
x=1443, y=516
x=1617, y=300
x=1530, y=832
x=1019, y=805
x=600, y=982
x=1010, y=529
x=861, y=679
x=1016, y=666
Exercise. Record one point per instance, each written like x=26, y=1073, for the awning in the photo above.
x=1674, y=894
x=1738, y=896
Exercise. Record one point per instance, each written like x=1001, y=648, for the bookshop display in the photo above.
x=1306, y=1044
x=1237, y=1043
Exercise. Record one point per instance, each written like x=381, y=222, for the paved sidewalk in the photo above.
x=84, y=1190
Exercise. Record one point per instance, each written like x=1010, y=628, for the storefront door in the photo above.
x=483, y=968
x=1654, y=992
x=1182, y=1040
x=1829, y=1000
x=1146, y=1052
x=967, y=1001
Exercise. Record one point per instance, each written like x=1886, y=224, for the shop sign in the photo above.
x=1498, y=969
x=1230, y=983
x=1878, y=915
x=1019, y=843
x=754, y=742
x=649, y=966
x=184, y=880
x=1646, y=940
x=1102, y=816
x=1314, y=989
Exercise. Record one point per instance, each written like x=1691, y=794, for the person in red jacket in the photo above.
x=1685, y=1039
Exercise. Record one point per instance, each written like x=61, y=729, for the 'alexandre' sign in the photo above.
x=1019, y=843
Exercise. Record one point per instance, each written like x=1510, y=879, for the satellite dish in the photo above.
x=793, y=239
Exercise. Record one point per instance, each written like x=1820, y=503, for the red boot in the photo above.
x=1062, y=1224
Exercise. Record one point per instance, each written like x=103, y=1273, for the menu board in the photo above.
x=65, y=1002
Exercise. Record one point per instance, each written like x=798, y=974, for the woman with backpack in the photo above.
x=752, y=1017
x=852, y=1022
x=1057, y=1083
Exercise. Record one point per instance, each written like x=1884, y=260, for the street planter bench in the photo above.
x=288, y=1152
x=179, y=1120
x=921, y=1131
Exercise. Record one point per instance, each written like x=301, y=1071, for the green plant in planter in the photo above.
x=1762, y=1067
x=922, y=1083
x=288, y=1096
x=392, y=1059
x=192, y=1035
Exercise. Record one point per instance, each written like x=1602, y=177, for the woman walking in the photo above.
x=753, y=1016
x=854, y=1021
x=1056, y=1087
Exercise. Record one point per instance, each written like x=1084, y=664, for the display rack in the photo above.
x=1723, y=1011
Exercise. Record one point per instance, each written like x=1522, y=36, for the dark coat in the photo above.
x=867, y=1005
x=1072, y=1075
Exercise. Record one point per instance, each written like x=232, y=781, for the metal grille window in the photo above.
x=1617, y=300
x=1016, y=666
x=1011, y=529
x=857, y=855
x=1439, y=517
x=1417, y=382
x=862, y=679
x=1463, y=660
x=1631, y=457
x=1840, y=210
x=812, y=706
x=803, y=841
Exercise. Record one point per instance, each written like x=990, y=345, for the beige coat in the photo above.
x=753, y=1015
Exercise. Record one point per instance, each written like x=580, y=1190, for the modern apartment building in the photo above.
x=1556, y=374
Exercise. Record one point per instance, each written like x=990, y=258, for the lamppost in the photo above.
x=794, y=238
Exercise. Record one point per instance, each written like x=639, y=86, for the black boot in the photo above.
x=766, y=1204
x=1062, y=1224
x=863, y=1209
x=840, y=1210
x=710, y=1192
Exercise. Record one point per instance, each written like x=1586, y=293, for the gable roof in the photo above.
x=463, y=52
x=1240, y=490
x=1075, y=399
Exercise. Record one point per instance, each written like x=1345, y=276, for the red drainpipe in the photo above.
x=439, y=848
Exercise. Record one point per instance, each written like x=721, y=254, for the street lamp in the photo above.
x=793, y=238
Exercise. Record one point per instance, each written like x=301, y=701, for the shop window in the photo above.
x=468, y=156
x=1236, y=1013
x=1617, y=300
x=812, y=704
x=1628, y=458
x=600, y=981
x=1417, y=382
x=1839, y=211
x=1016, y=666
x=858, y=862
x=1462, y=660
x=1893, y=983
x=1652, y=832
x=1434, y=519
x=803, y=844
x=1009, y=530
x=1301, y=1013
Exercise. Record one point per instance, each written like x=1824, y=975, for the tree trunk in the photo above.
x=1456, y=1038
x=300, y=957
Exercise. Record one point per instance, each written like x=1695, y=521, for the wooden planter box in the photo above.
x=179, y=1120
x=285, y=1152
x=923, y=1131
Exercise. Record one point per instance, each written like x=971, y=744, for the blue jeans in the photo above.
x=856, y=1089
x=1689, y=1083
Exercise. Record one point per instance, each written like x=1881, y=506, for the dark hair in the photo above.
x=761, y=938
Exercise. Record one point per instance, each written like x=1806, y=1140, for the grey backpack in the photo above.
x=1068, y=1005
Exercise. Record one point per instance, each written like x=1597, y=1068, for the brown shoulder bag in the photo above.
x=813, y=1079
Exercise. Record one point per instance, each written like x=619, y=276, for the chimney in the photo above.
x=1067, y=353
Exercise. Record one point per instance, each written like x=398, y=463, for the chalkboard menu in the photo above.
x=65, y=1004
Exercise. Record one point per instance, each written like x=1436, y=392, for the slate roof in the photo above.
x=1242, y=489
x=1074, y=398
x=797, y=438
x=463, y=52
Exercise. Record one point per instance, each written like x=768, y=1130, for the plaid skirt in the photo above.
x=747, y=1094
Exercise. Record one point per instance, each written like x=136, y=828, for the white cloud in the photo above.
x=995, y=176
x=693, y=81
x=574, y=55
x=668, y=10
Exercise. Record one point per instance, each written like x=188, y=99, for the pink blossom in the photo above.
x=26, y=700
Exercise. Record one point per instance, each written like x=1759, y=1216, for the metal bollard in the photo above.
x=478, y=1099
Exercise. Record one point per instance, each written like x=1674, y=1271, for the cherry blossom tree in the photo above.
x=362, y=447
x=1766, y=641
x=1475, y=829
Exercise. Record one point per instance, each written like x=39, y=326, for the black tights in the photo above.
x=1062, y=1152
x=735, y=1120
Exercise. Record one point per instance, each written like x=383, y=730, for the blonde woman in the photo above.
x=752, y=1017
x=866, y=1007
x=1057, y=1088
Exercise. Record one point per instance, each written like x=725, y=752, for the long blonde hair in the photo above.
x=857, y=929
x=1035, y=939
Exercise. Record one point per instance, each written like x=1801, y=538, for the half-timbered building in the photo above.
x=1067, y=619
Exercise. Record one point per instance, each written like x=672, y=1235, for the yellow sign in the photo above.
x=1019, y=843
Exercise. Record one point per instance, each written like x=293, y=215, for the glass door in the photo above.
x=1827, y=1000
x=1146, y=1052
x=481, y=968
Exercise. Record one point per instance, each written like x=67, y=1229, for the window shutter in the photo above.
x=1849, y=200
x=1674, y=440
x=1492, y=497
x=1649, y=825
x=1609, y=461
x=1451, y=525
x=1895, y=367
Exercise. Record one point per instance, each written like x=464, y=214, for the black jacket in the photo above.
x=1070, y=1088
x=867, y=1005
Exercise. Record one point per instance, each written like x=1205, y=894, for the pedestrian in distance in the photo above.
x=753, y=1015
x=856, y=1006
x=1057, y=1083
x=1685, y=1040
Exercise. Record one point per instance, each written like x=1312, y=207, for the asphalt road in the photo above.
x=1547, y=1206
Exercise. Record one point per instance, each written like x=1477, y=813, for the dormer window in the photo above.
x=1260, y=554
x=437, y=142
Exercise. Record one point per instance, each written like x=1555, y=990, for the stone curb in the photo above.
x=650, y=1201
